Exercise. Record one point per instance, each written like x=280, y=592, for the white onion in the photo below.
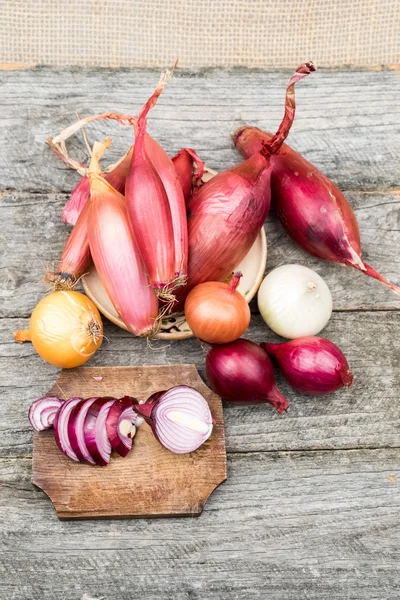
x=294, y=301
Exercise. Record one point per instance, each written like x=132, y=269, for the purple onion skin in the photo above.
x=311, y=208
x=312, y=365
x=239, y=373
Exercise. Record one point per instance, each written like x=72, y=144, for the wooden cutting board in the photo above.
x=150, y=481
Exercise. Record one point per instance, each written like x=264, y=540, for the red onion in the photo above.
x=183, y=163
x=179, y=417
x=310, y=206
x=76, y=430
x=42, y=412
x=61, y=428
x=121, y=425
x=311, y=365
x=239, y=373
x=227, y=212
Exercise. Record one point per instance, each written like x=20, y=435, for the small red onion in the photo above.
x=121, y=425
x=311, y=365
x=179, y=417
x=42, y=412
x=61, y=427
x=239, y=373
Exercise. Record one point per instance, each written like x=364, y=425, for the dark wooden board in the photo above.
x=150, y=481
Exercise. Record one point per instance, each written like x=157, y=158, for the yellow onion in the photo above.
x=65, y=329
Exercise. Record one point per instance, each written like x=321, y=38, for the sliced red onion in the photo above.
x=42, y=412
x=121, y=425
x=76, y=430
x=95, y=431
x=180, y=418
x=61, y=427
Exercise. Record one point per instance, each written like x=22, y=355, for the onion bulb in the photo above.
x=65, y=329
x=216, y=312
x=294, y=301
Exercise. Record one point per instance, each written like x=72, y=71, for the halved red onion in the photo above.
x=42, y=412
x=95, y=431
x=121, y=425
x=61, y=427
x=180, y=418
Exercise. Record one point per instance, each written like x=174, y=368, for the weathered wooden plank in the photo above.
x=365, y=415
x=33, y=235
x=316, y=525
x=347, y=123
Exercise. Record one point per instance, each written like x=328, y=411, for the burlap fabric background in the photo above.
x=202, y=33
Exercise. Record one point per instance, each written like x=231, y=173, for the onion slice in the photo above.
x=42, y=412
x=76, y=430
x=61, y=427
x=121, y=425
x=95, y=431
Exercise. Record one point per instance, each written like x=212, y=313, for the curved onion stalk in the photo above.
x=121, y=425
x=148, y=207
x=311, y=208
x=117, y=259
x=42, y=412
x=311, y=365
x=227, y=212
x=179, y=417
x=184, y=161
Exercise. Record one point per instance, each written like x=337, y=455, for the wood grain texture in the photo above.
x=285, y=526
x=365, y=415
x=150, y=481
x=34, y=237
x=310, y=508
x=346, y=123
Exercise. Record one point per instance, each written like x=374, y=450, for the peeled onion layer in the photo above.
x=43, y=411
x=312, y=365
x=311, y=208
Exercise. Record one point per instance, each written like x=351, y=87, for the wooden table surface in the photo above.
x=311, y=505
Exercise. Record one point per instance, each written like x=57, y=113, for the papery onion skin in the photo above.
x=43, y=411
x=117, y=259
x=311, y=208
x=239, y=373
x=294, y=301
x=216, y=312
x=65, y=329
x=173, y=435
x=183, y=163
x=312, y=365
